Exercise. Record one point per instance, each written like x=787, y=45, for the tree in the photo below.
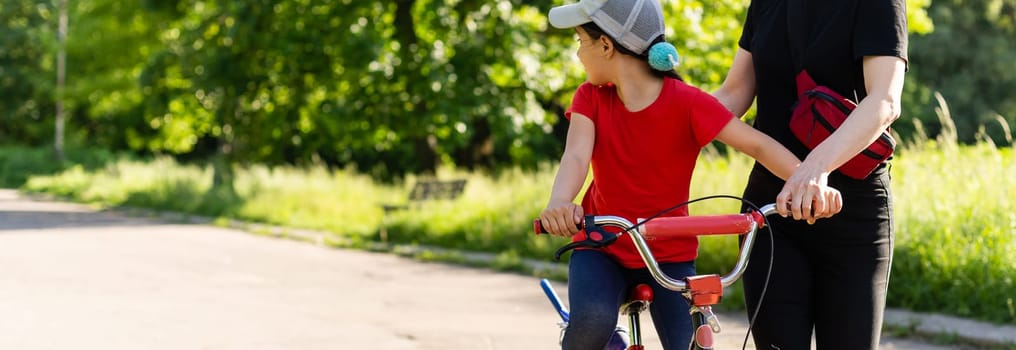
x=61, y=70
x=971, y=59
x=26, y=89
x=388, y=88
x=100, y=95
x=464, y=82
x=111, y=42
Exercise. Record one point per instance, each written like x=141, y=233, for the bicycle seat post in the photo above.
x=639, y=299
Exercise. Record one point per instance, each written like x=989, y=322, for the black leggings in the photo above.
x=830, y=277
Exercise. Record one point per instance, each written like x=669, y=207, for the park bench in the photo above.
x=423, y=191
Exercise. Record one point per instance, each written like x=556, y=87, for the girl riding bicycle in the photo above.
x=641, y=128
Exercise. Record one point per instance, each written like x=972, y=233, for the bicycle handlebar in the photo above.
x=676, y=226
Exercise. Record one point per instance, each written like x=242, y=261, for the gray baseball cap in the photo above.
x=632, y=23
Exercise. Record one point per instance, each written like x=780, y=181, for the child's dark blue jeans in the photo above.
x=597, y=286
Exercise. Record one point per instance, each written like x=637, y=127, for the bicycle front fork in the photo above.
x=704, y=323
x=703, y=320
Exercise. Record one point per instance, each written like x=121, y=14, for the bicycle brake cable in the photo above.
x=684, y=204
x=769, y=269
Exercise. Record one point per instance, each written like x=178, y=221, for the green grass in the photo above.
x=18, y=164
x=955, y=246
x=956, y=232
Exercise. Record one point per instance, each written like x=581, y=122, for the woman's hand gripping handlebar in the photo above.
x=746, y=224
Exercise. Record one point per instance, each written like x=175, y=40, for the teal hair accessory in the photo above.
x=663, y=56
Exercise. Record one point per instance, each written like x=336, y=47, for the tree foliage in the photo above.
x=393, y=87
x=27, y=90
x=970, y=59
x=388, y=87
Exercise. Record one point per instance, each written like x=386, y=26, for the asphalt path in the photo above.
x=76, y=278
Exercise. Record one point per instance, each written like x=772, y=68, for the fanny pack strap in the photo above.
x=804, y=82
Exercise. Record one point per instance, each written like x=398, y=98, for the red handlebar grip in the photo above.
x=678, y=226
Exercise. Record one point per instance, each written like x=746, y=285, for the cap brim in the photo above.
x=568, y=16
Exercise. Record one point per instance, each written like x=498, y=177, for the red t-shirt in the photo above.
x=643, y=161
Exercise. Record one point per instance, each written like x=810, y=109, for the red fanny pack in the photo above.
x=819, y=111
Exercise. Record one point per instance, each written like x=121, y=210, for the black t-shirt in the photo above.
x=836, y=34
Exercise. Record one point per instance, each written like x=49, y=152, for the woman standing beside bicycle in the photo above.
x=829, y=276
x=641, y=128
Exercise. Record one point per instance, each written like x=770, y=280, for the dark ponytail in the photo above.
x=595, y=32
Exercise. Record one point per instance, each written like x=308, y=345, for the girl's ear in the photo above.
x=607, y=46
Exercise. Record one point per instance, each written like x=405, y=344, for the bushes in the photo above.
x=17, y=164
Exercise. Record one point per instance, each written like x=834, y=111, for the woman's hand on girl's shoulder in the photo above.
x=561, y=218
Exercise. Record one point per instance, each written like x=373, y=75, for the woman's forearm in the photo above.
x=738, y=90
x=872, y=116
x=862, y=127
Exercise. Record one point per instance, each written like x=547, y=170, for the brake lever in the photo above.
x=566, y=248
x=596, y=237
